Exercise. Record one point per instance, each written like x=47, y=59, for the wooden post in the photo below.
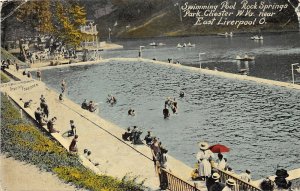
x=21, y=113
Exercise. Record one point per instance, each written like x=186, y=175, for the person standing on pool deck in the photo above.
x=246, y=176
x=50, y=125
x=230, y=183
x=63, y=86
x=204, y=155
x=46, y=109
x=39, y=75
x=73, y=145
x=17, y=67
x=221, y=162
x=155, y=149
x=73, y=128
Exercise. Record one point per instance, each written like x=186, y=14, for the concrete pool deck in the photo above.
x=116, y=157
x=203, y=71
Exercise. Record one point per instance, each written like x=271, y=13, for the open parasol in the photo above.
x=218, y=148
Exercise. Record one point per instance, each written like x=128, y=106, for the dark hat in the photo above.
x=89, y=153
x=71, y=121
x=85, y=151
x=282, y=173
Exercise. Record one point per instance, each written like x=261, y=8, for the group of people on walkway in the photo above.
x=42, y=117
x=158, y=153
x=42, y=113
x=133, y=135
x=214, y=183
x=208, y=168
x=5, y=64
x=90, y=106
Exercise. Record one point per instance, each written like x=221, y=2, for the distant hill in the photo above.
x=154, y=18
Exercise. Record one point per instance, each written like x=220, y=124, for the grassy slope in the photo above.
x=23, y=141
x=6, y=55
x=4, y=78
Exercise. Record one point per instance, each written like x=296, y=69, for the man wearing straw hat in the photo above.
x=216, y=186
x=203, y=157
x=230, y=183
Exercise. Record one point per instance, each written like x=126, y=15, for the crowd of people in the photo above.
x=133, y=135
x=5, y=64
x=157, y=149
x=208, y=170
x=42, y=118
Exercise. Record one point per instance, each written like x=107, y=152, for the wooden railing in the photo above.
x=173, y=183
x=89, y=29
x=241, y=185
x=295, y=183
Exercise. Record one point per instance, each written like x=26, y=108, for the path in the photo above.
x=16, y=176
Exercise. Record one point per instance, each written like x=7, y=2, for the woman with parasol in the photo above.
x=218, y=148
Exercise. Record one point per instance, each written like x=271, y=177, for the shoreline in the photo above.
x=273, y=31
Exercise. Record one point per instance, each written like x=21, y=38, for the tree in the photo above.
x=69, y=18
x=38, y=15
x=58, y=18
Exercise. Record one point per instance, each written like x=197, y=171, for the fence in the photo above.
x=241, y=185
x=171, y=182
x=174, y=183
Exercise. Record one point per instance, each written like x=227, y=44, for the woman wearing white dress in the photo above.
x=203, y=157
x=221, y=162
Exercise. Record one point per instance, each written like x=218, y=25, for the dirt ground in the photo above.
x=19, y=176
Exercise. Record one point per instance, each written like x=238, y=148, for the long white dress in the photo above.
x=204, y=166
x=221, y=164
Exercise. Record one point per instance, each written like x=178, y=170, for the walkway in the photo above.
x=116, y=158
x=28, y=177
